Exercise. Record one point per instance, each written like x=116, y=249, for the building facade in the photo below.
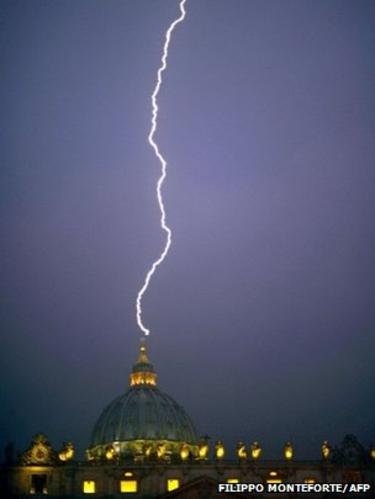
x=144, y=445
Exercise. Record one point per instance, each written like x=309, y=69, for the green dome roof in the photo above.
x=143, y=413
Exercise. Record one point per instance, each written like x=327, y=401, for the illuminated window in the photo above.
x=273, y=478
x=233, y=480
x=88, y=487
x=310, y=480
x=173, y=484
x=128, y=486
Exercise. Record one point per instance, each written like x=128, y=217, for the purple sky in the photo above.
x=263, y=315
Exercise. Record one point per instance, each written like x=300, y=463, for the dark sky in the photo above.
x=263, y=315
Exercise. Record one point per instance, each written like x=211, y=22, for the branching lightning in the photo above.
x=163, y=165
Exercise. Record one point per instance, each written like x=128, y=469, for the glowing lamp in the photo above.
x=160, y=451
x=372, y=452
x=241, y=451
x=326, y=450
x=110, y=453
x=256, y=450
x=184, y=452
x=147, y=449
x=67, y=452
x=219, y=450
x=203, y=450
x=288, y=451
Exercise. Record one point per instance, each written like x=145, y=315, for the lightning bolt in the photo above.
x=163, y=167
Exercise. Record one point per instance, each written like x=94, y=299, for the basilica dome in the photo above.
x=142, y=420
